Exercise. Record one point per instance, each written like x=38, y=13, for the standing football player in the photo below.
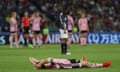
x=13, y=30
x=36, y=23
x=70, y=27
x=64, y=33
x=26, y=26
x=83, y=29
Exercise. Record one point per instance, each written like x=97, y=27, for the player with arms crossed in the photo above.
x=64, y=33
x=57, y=63
x=83, y=29
x=13, y=30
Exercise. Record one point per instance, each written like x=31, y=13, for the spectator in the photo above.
x=99, y=12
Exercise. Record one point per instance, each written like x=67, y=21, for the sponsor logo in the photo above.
x=97, y=38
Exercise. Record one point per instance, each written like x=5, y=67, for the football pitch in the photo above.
x=16, y=60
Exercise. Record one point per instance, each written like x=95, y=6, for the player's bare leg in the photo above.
x=81, y=39
x=11, y=40
x=39, y=40
x=41, y=43
x=16, y=40
x=85, y=63
x=68, y=41
x=91, y=65
x=85, y=39
x=33, y=40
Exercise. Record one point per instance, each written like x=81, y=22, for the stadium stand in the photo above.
x=103, y=15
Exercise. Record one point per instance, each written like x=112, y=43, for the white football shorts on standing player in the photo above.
x=63, y=34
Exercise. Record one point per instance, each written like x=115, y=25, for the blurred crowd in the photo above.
x=6, y=8
x=103, y=15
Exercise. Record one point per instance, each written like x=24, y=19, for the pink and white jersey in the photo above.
x=83, y=24
x=70, y=22
x=13, y=25
x=36, y=22
x=62, y=63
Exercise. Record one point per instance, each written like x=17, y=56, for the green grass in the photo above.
x=16, y=60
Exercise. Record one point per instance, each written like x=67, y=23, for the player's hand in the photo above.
x=64, y=31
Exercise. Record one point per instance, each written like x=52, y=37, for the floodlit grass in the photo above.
x=16, y=60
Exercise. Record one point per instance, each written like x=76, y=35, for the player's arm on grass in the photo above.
x=42, y=62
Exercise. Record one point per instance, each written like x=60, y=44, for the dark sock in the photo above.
x=62, y=48
x=25, y=42
x=65, y=48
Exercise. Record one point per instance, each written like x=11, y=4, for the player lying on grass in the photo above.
x=57, y=63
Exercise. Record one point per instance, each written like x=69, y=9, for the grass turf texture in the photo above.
x=16, y=60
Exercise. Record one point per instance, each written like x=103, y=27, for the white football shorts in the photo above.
x=62, y=34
